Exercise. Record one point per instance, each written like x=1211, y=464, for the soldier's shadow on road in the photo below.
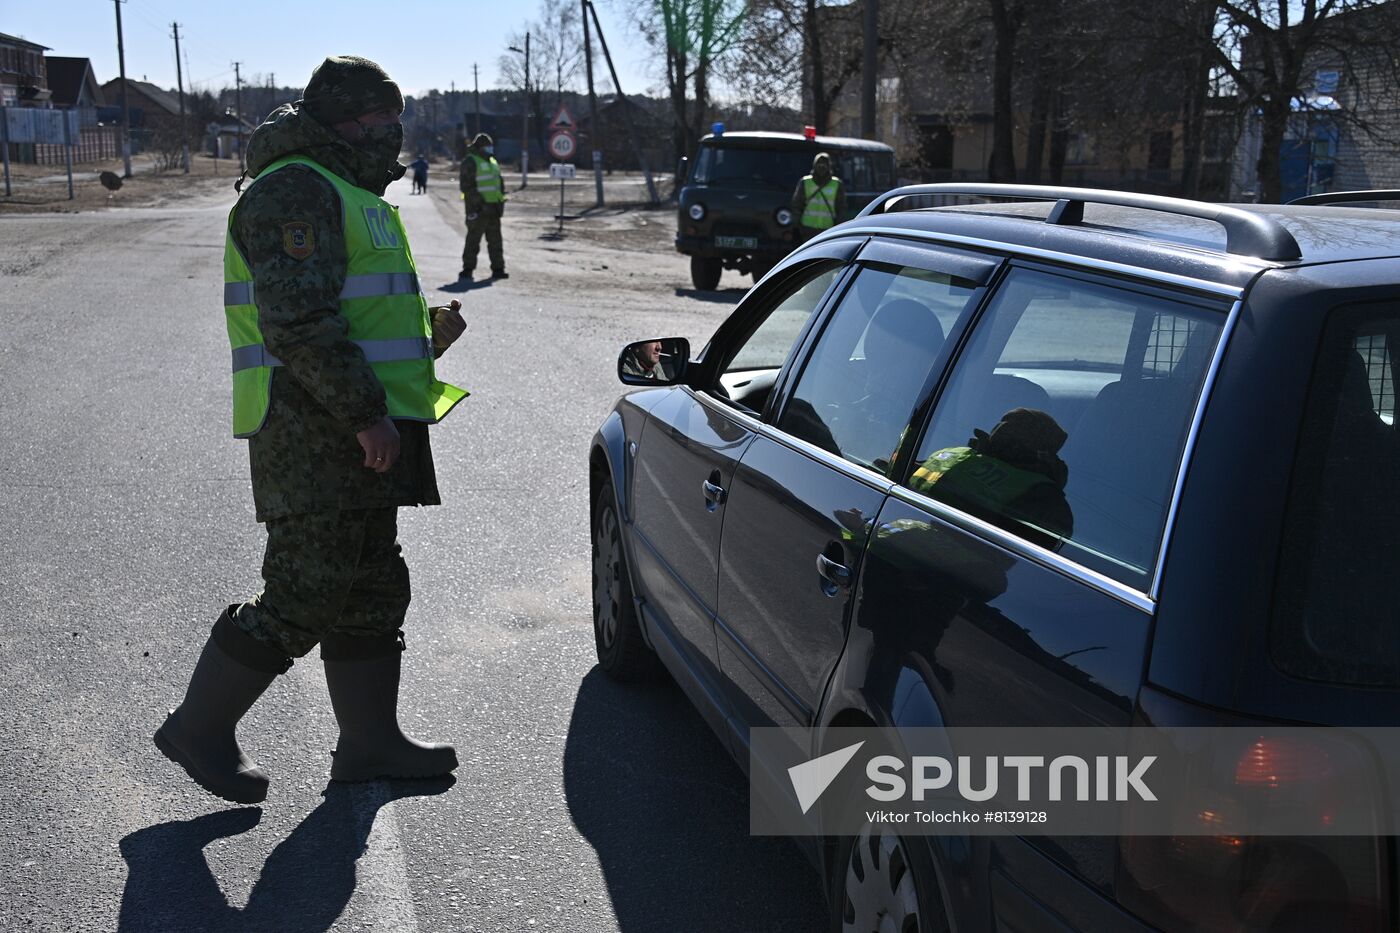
x=304, y=885
x=465, y=285
x=667, y=811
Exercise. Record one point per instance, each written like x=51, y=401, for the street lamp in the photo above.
x=525, y=114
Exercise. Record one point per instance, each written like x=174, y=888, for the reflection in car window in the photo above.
x=1064, y=420
x=859, y=389
x=748, y=377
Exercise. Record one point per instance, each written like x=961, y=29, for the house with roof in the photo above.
x=23, y=75
x=74, y=86
x=150, y=107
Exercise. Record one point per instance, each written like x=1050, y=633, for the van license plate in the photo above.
x=737, y=242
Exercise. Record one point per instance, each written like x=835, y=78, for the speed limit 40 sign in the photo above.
x=562, y=145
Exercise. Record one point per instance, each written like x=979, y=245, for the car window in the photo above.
x=1334, y=617
x=859, y=388
x=750, y=367
x=1064, y=420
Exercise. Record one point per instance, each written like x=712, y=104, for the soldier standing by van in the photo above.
x=820, y=199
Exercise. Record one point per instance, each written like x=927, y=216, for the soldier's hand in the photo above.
x=448, y=324
x=381, y=445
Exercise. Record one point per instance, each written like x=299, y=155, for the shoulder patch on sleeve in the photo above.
x=298, y=239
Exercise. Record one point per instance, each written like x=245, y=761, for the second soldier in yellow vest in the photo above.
x=484, y=194
x=820, y=199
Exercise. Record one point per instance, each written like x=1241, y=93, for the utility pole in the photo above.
x=126, y=115
x=180, y=85
x=238, y=111
x=622, y=100
x=476, y=102
x=525, y=116
x=867, y=83
x=593, y=135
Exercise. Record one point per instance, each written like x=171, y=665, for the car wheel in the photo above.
x=761, y=268
x=623, y=653
x=879, y=889
x=705, y=272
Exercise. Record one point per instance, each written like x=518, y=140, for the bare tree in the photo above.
x=1271, y=49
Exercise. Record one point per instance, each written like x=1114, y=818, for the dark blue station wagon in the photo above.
x=1063, y=458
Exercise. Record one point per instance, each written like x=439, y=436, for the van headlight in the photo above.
x=783, y=216
x=697, y=212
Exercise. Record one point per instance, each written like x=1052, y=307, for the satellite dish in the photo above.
x=110, y=180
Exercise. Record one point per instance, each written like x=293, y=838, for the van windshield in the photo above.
x=1335, y=617
x=753, y=168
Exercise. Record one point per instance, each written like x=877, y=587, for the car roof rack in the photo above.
x=1246, y=233
x=1345, y=197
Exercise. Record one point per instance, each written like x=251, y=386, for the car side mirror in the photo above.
x=654, y=362
x=682, y=170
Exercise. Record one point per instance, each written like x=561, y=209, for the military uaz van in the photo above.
x=736, y=202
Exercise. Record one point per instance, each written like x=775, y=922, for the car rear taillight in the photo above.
x=1211, y=877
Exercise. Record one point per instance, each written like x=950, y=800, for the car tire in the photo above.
x=623, y=653
x=881, y=882
x=705, y=272
x=760, y=268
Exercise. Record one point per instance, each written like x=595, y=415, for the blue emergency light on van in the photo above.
x=717, y=129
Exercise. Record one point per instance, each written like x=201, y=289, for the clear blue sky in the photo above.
x=423, y=45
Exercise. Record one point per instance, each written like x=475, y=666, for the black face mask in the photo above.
x=381, y=143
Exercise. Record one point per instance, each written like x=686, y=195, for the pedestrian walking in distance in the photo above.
x=334, y=388
x=820, y=199
x=419, y=167
x=485, y=195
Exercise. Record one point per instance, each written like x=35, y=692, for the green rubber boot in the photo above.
x=200, y=734
x=362, y=675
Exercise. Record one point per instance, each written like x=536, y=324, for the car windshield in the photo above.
x=764, y=168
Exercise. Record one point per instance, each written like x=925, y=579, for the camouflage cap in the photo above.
x=344, y=87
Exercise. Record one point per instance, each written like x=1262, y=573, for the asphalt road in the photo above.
x=580, y=805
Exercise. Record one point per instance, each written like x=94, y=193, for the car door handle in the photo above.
x=837, y=575
x=714, y=494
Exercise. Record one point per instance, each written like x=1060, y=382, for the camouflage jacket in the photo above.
x=306, y=457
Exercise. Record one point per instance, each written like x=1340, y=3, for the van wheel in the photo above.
x=705, y=272
x=879, y=887
x=623, y=653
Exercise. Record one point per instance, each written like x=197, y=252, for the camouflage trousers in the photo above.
x=488, y=222
x=338, y=572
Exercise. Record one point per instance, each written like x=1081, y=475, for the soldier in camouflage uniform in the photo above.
x=329, y=466
x=485, y=203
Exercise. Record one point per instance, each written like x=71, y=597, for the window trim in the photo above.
x=760, y=304
x=1144, y=599
x=927, y=260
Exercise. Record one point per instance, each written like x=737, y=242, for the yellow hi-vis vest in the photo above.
x=381, y=298
x=488, y=179
x=820, y=210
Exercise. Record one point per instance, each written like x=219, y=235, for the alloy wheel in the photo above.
x=880, y=895
x=607, y=577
